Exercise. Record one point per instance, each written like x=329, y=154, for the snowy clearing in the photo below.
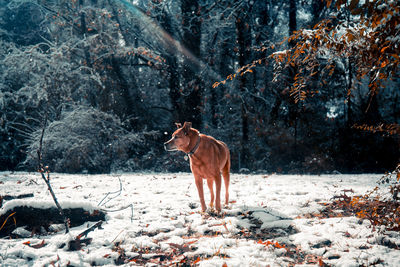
x=262, y=223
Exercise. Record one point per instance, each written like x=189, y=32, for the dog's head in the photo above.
x=180, y=138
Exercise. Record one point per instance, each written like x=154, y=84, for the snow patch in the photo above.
x=164, y=221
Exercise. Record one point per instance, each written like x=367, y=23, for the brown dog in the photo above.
x=208, y=158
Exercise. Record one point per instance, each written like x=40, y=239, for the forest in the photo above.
x=291, y=86
x=305, y=93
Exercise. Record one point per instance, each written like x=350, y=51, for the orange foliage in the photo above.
x=371, y=44
x=381, y=206
x=387, y=129
x=271, y=243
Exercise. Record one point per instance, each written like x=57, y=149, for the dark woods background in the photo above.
x=108, y=79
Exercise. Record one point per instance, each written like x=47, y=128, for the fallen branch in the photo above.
x=87, y=231
x=76, y=244
x=9, y=197
x=34, y=218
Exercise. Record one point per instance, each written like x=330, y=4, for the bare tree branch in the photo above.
x=47, y=179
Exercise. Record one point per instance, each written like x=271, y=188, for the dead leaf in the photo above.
x=40, y=245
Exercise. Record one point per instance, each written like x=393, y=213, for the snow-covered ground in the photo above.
x=263, y=221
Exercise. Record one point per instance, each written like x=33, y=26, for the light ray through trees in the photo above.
x=171, y=45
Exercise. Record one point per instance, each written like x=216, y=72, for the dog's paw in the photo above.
x=219, y=214
x=204, y=214
x=215, y=213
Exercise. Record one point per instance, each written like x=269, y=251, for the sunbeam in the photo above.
x=169, y=43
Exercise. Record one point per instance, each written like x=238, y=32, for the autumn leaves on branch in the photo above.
x=369, y=42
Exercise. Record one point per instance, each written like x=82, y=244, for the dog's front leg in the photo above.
x=210, y=183
x=199, y=184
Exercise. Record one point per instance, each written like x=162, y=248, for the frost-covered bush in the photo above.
x=23, y=22
x=84, y=140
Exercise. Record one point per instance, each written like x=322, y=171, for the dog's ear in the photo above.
x=178, y=125
x=186, y=127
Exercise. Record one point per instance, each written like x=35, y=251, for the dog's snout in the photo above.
x=167, y=146
x=170, y=146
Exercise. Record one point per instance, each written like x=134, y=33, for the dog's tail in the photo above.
x=225, y=173
x=226, y=169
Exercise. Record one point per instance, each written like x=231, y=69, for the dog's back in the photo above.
x=213, y=153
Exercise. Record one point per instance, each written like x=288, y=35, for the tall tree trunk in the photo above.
x=349, y=118
x=348, y=135
x=224, y=69
x=173, y=81
x=244, y=42
x=214, y=93
x=349, y=122
x=263, y=37
x=317, y=6
x=371, y=113
x=191, y=24
x=127, y=109
x=292, y=16
x=84, y=31
x=172, y=69
x=293, y=106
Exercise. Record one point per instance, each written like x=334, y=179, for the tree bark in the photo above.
x=214, y=92
x=293, y=106
x=292, y=16
x=172, y=68
x=244, y=42
x=191, y=23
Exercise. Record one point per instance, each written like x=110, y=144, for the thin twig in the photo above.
x=9, y=216
x=118, y=192
x=117, y=236
x=123, y=208
x=47, y=179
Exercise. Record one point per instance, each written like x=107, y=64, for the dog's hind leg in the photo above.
x=226, y=175
x=218, y=192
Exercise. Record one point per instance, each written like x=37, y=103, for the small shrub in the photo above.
x=381, y=206
x=84, y=140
